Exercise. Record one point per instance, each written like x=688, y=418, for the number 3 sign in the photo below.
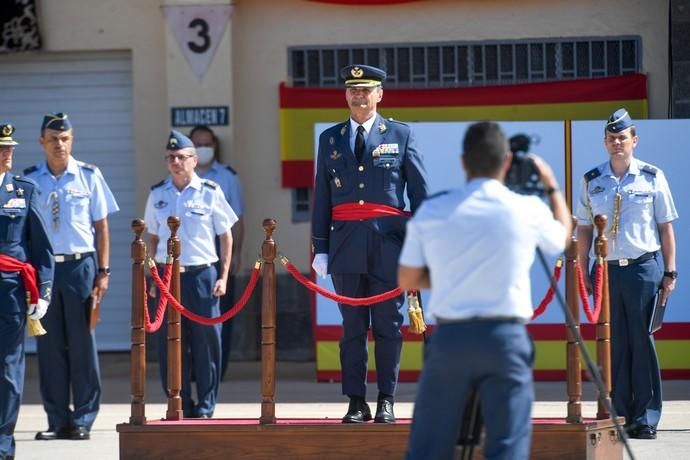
x=198, y=31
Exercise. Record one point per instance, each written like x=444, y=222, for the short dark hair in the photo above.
x=203, y=128
x=484, y=149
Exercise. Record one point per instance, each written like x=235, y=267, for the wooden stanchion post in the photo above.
x=573, y=369
x=268, y=326
x=137, y=374
x=601, y=249
x=174, y=411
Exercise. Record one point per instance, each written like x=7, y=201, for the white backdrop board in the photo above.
x=441, y=144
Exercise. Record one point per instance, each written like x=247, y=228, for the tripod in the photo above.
x=471, y=428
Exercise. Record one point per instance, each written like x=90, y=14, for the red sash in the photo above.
x=26, y=270
x=363, y=211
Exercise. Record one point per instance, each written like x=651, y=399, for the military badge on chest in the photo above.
x=160, y=204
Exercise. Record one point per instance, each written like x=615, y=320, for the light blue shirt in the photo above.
x=203, y=212
x=82, y=197
x=479, y=244
x=645, y=202
x=229, y=183
x=353, y=130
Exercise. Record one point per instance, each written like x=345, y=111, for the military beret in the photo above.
x=619, y=121
x=362, y=76
x=6, y=131
x=177, y=141
x=57, y=121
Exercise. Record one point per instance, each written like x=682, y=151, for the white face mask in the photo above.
x=205, y=155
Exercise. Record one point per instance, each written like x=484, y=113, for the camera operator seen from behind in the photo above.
x=474, y=247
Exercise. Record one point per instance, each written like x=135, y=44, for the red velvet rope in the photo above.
x=162, y=303
x=548, y=297
x=312, y=286
x=202, y=319
x=592, y=317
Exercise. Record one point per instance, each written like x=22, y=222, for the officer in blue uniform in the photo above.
x=636, y=198
x=75, y=202
x=208, y=167
x=204, y=214
x=364, y=164
x=22, y=236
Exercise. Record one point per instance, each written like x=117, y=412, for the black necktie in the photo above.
x=359, y=143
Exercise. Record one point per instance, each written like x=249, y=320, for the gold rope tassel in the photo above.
x=414, y=312
x=34, y=326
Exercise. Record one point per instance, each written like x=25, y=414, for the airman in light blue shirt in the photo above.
x=71, y=202
x=634, y=205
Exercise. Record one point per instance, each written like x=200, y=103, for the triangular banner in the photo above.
x=198, y=30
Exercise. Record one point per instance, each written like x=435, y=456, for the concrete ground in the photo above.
x=298, y=395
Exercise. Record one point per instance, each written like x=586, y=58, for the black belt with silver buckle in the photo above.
x=626, y=262
x=59, y=258
x=193, y=268
x=483, y=319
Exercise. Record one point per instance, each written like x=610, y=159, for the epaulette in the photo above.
x=592, y=174
x=88, y=166
x=153, y=187
x=25, y=180
x=230, y=169
x=651, y=170
x=436, y=195
x=397, y=121
x=210, y=183
x=30, y=169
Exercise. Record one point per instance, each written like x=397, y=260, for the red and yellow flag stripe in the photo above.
x=592, y=99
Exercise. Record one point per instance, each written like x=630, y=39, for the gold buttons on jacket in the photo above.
x=360, y=168
x=361, y=185
x=361, y=202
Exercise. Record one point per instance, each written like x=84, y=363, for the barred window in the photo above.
x=458, y=64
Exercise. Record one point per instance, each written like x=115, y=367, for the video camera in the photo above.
x=523, y=176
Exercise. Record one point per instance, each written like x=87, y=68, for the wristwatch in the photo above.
x=672, y=274
x=551, y=190
x=105, y=270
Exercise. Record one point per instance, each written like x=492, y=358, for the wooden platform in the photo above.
x=312, y=439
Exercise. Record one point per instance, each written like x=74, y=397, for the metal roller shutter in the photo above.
x=95, y=90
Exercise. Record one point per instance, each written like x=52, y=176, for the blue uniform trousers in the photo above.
x=385, y=319
x=12, y=324
x=201, y=346
x=636, y=380
x=493, y=357
x=67, y=354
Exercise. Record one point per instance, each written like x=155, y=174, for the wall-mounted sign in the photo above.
x=198, y=31
x=193, y=116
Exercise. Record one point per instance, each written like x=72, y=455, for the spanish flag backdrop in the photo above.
x=591, y=99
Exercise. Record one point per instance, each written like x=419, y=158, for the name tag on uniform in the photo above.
x=386, y=149
x=17, y=203
x=197, y=208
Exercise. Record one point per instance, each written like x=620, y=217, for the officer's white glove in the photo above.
x=38, y=310
x=320, y=264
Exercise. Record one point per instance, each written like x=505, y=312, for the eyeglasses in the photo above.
x=170, y=158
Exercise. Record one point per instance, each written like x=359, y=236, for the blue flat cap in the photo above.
x=6, y=131
x=177, y=141
x=619, y=121
x=362, y=76
x=57, y=121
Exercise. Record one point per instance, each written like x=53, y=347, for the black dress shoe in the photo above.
x=80, y=433
x=50, y=435
x=384, y=412
x=644, y=432
x=357, y=412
